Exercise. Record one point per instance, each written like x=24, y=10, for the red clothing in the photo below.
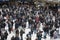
x=37, y=19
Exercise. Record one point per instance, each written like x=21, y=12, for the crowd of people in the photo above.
x=25, y=22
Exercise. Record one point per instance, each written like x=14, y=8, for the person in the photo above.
x=17, y=35
x=51, y=33
x=12, y=38
x=39, y=35
x=28, y=37
x=5, y=35
x=46, y=30
x=2, y=36
x=21, y=33
x=55, y=34
x=16, y=24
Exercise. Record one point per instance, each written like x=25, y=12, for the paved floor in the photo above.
x=33, y=37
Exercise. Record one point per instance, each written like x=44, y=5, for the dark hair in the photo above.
x=12, y=38
x=17, y=31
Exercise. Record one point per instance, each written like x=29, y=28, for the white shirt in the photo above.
x=10, y=36
x=33, y=36
x=27, y=30
x=41, y=27
x=24, y=36
x=27, y=24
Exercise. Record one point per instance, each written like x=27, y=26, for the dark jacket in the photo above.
x=16, y=38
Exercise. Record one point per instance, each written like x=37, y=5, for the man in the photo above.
x=5, y=35
x=12, y=38
x=28, y=37
x=17, y=35
x=46, y=31
x=21, y=34
x=39, y=35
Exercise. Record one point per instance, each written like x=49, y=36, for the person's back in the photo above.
x=17, y=35
x=28, y=37
x=39, y=36
x=16, y=38
x=12, y=38
x=51, y=33
x=5, y=35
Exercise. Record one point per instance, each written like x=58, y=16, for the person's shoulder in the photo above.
x=16, y=38
x=13, y=38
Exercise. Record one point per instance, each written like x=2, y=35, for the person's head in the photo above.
x=12, y=38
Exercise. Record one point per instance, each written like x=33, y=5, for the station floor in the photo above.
x=32, y=37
